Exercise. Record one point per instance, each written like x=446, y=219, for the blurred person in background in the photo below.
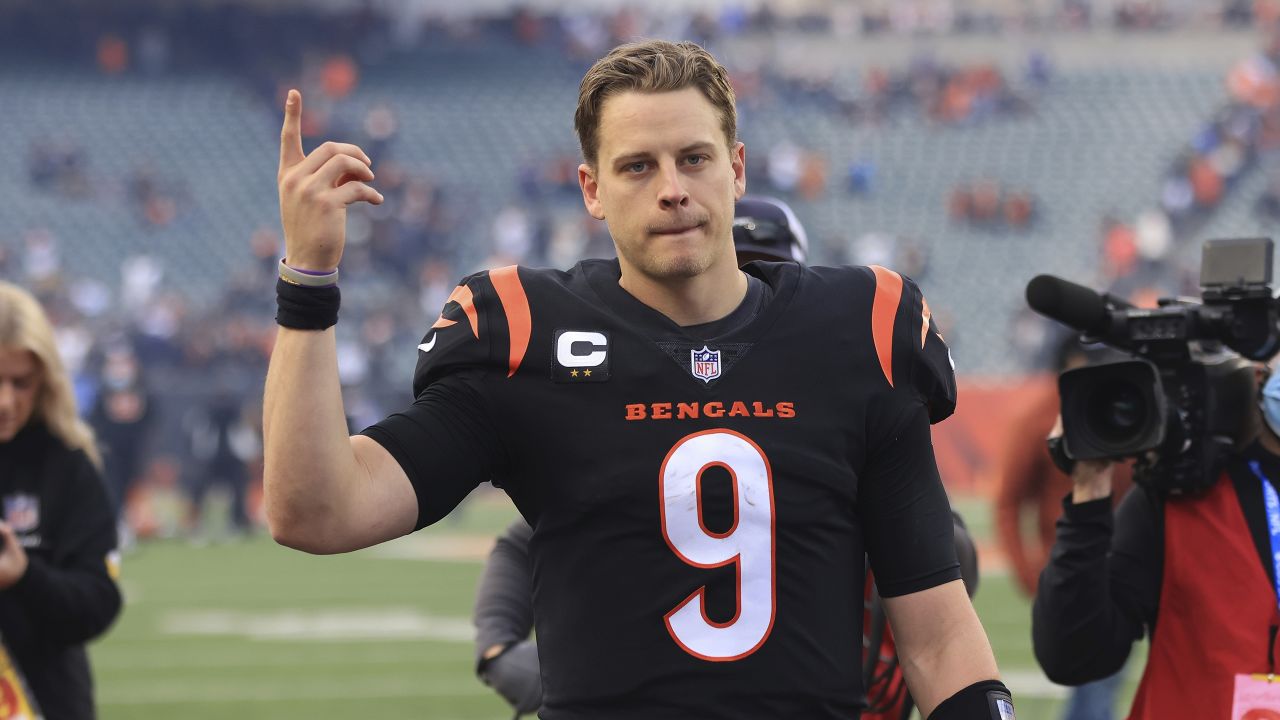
x=58, y=559
x=765, y=229
x=1031, y=485
x=220, y=443
x=121, y=418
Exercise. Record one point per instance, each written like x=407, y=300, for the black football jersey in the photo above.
x=701, y=505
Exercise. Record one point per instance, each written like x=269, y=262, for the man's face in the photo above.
x=665, y=182
x=20, y=378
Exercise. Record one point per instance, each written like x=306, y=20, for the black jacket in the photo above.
x=56, y=502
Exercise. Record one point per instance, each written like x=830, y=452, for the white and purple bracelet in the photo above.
x=308, y=278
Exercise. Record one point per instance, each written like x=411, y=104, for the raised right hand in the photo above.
x=315, y=191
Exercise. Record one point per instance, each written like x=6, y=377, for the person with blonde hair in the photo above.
x=58, y=560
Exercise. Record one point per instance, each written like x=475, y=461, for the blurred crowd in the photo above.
x=158, y=36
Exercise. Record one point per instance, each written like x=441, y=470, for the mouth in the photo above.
x=676, y=230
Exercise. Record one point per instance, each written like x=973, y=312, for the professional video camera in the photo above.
x=1182, y=403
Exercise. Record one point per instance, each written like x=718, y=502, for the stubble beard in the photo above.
x=672, y=266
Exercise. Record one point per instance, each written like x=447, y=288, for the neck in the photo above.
x=703, y=298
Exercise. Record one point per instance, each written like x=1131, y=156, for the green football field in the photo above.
x=248, y=629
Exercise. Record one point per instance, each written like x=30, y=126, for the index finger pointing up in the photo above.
x=291, y=133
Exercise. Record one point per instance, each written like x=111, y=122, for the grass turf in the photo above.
x=248, y=629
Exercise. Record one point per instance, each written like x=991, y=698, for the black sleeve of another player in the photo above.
x=504, y=599
x=445, y=442
x=902, y=506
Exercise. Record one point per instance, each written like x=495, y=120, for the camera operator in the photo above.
x=1193, y=571
x=1031, y=489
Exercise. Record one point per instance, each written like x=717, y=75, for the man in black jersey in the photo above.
x=764, y=228
x=704, y=454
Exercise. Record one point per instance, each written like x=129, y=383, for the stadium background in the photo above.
x=970, y=144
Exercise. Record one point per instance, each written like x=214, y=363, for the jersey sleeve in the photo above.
x=909, y=344
x=448, y=440
x=902, y=503
x=454, y=340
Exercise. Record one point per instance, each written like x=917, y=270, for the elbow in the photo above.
x=1058, y=673
x=1069, y=667
x=1075, y=673
x=1068, y=676
x=92, y=619
x=296, y=536
x=294, y=530
x=286, y=534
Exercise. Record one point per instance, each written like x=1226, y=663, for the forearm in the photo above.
x=958, y=656
x=70, y=605
x=1077, y=630
x=308, y=462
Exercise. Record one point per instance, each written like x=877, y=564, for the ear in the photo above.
x=590, y=191
x=738, y=161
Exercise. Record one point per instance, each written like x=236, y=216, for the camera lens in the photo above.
x=1116, y=411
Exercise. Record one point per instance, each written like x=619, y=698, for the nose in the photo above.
x=672, y=192
x=8, y=398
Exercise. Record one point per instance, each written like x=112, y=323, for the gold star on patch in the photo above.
x=587, y=373
x=574, y=373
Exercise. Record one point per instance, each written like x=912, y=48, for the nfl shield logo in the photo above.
x=705, y=363
x=22, y=512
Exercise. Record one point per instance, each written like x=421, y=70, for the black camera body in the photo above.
x=1182, y=402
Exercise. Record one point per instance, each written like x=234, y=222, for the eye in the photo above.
x=696, y=159
x=635, y=168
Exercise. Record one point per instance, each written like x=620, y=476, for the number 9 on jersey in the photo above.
x=748, y=543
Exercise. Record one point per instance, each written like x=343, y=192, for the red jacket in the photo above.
x=1216, y=606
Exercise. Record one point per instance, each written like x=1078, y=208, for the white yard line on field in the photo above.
x=160, y=693
x=376, y=624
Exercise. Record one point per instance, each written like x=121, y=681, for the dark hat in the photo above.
x=767, y=228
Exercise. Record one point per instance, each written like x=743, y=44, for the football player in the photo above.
x=703, y=453
x=764, y=228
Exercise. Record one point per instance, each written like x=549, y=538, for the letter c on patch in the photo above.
x=572, y=340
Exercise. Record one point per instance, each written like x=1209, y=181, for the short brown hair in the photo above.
x=651, y=66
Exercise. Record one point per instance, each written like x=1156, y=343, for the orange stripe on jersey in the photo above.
x=461, y=295
x=884, y=310
x=516, y=306
x=924, y=323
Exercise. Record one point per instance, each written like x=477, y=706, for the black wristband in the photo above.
x=1058, y=454
x=983, y=700
x=306, y=308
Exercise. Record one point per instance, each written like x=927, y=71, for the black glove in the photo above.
x=515, y=675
